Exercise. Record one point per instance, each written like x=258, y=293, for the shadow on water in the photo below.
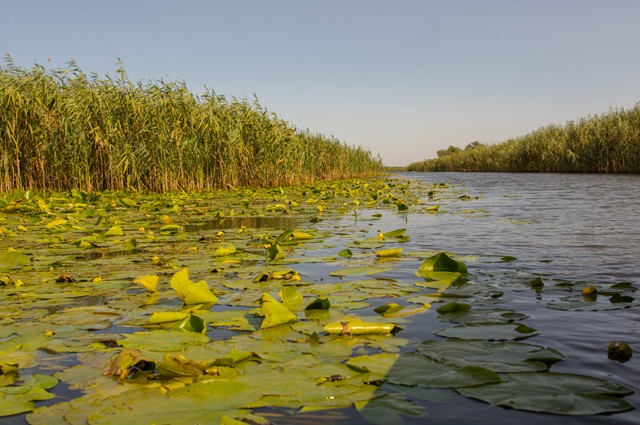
x=257, y=222
x=223, y=223
x=94, y=255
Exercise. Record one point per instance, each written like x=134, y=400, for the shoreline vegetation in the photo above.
x=605, y=143
x=63, y=130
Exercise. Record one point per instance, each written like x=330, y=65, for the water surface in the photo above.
x=582, y=228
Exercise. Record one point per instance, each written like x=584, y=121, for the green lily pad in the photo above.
x=190, y=292
x=359, y=271
x=12, y=259
x=397, y=233
x=489, y=331
x=274, y=313
x=233, y=319
x=388, y=409
x=418, y=370
x=162, y=340
x=441, y=262
x=593, y=302
x=319, y=304
x=499, y=356
x=150, y=282
x=167, y=316
x=482, y=315
x=389, y=252
x=275, y=252
x=128, y=202
x=127, y=360
x=388, y=309
x=440, y=279
x=115, y=231
x=291, y=297
x=453, y=307
x=557, y=393
x=191, y=323
x=355, y=326
x=20, y=399
x=179, y=366
x=171, y=229
x=225, y=249
x=201, y=402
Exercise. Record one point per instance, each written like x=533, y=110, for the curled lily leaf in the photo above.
x=354, y=326
x=127, y=362
x=150, y=282
x=274, y=313
x=192, y=292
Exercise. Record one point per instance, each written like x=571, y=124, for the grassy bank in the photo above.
x=62, y=129
x=606, y=143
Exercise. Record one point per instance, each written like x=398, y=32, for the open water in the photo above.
x=574, y=227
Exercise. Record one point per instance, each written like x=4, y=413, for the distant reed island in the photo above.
x=605, y=143
x=62, y=129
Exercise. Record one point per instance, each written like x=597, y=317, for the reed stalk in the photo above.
x=61, y=129
x=605, y=143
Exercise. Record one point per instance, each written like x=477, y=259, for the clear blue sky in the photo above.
x=403, y=78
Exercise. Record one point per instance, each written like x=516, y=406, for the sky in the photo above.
x=402, y=78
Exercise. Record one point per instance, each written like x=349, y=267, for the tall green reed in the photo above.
x=62, y=129
x=605, y=143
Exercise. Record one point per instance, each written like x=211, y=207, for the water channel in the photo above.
x=574, y=227
x=568, y=230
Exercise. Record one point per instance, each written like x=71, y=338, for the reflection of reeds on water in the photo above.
x=235, y=222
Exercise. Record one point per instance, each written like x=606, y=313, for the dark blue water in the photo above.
x=559, y=226
x=573, y=228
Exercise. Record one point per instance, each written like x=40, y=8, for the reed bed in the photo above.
x=606, y=143
x=61, y=129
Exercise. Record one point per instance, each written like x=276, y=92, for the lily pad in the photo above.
x=441, y=262
x=190, y=292
x=345, y=253
x=489, y=331
x=319, y=304
x=359, y=271
x=115, y=231
x=191, y=323
x=203, y=401
x=225, y=249
x=389, y=252
x=482, y=315
x=20, y=399
x=416, y=369
x=12, y=259
x=397, y=233
x=291, y=297
x=388, y=409
x=150, y=282
x=355, y=326
x=557, y=393
x=499, y=356
x=593, y=302
x=274, y=313
x=387, y=309
x=162, y=340
x=453, y=307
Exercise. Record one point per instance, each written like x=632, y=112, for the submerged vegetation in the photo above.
x=247, y=306
x=605, y=143
x=61, y=129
